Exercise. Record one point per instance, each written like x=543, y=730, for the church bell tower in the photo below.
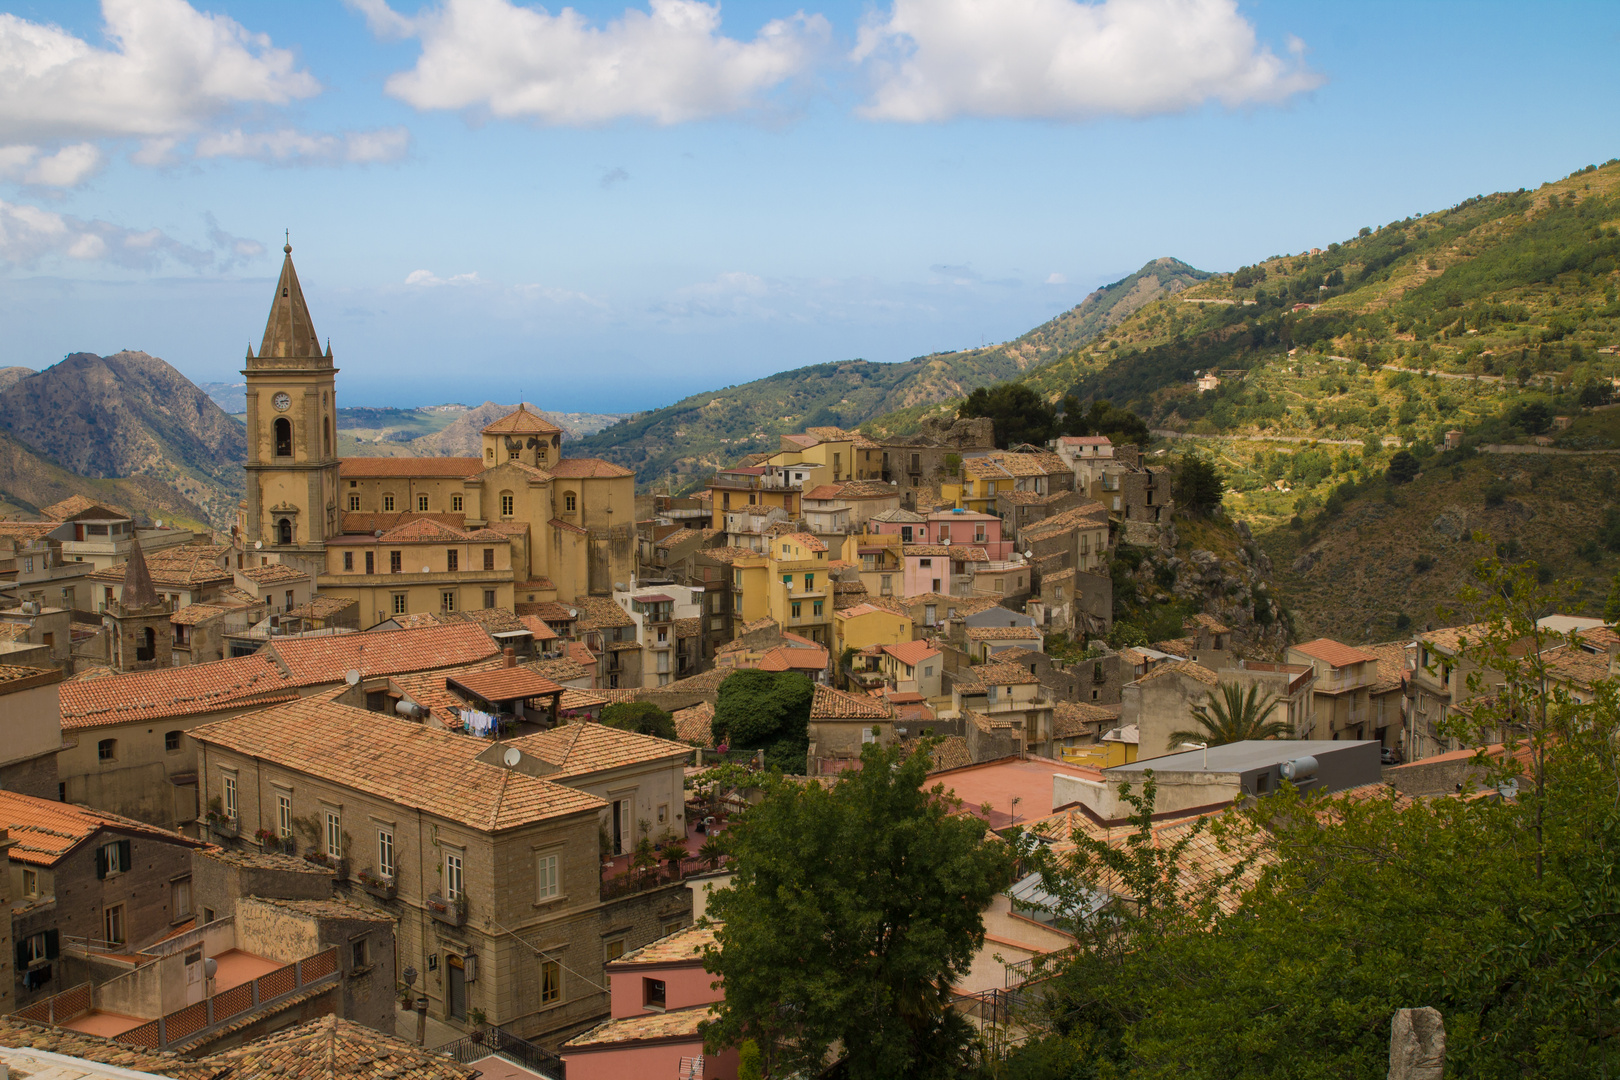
x=291, y=508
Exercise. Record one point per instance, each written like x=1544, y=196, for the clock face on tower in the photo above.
x=282, y=402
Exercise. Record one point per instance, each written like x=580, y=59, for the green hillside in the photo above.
x=683, y=443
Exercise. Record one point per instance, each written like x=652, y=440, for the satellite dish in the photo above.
x=427, y=569
x=377, y=533
x=352, y=678
x=573, y=613
x=258, y=544
x=158, y=523
x=210, y=967
x=512, y=756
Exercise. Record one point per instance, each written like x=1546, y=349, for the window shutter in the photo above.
x=22, y=954
x=101, y=862
x=124, y=861
x=53, y=947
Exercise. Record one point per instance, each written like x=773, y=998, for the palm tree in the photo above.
x=1233, y=717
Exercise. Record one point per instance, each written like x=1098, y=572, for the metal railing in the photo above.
x=635, y=880
x=493, y=1040
x=199, y=1018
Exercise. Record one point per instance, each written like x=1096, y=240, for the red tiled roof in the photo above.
x=181, y=691
x=588, y=469
x=315, y=660
x=363, y=467
x=46, y=830
x=911, y=653
x=505, y=684
x=788, y=658
x=1334, y=653
x=830, y=704
x=522, y=422
x=578, y=749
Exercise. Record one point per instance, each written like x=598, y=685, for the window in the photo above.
x=452, y=875
x=359, y=955
x=388, y=504
x=612, y=950
x=548, y=886
x=809, y=582
x=489, y=453
x=371, y=562
x=112, y=925
x=399, y=603
x=37, y=947
x=569, y=502
x=30, y=882
x=283, y=428
x=455, y=504
x=815, y=609
x=348, y=560
x=334, y=835
x=283, y=814
x=421, y=504
x=795, y=611
x=113, y=858
x=171, y=740
x=447, y=600
x=107, y=750
x=179, y=899
x=385, y=853
x=395, y=562
x=292, y=599
x=672, y=925
x=506, y=504
x=489, y=598
x=354, y=502
x=452, y=559
x=652, y=993
x=489, y=558
x=550, y=982
x=230, y=796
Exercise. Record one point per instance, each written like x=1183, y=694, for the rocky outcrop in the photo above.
x=1235, y=589
x=977, y=433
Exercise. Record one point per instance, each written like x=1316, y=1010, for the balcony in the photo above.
x=447, y=911
x=383, y=888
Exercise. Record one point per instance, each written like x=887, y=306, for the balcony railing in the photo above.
x=448, y=911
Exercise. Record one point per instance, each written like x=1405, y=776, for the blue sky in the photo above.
x=608, y=206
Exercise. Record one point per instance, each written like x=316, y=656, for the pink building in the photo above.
x=946, y=527
x=659, y=995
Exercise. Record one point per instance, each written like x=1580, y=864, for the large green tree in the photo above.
x=853, y=909
x=1502, y=911
x=1019, y=414
x=642, y=717
x=769, y=711
x=1198, y=485
x=1233, y=716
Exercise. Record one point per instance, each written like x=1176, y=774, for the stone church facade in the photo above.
x=519, y=524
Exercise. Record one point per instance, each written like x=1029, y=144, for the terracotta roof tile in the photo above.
x=695, y=724
x=683, y=946
x=45, y=830
x=181, y=691
x=410, y=764
x=23, y=1035
x=1004, y=633
x=579, y=749
x=324, y=607
x=522, y=422
x=588, y=469
x=272, y=574
x=681, y=1024
x=830, y=704
x=600, y=613
x=537, y=626
x=1072, y=718
x=1196, y=672
x=363, y=522
x=74, y=505
x=790, y=658
x=315, y=660
x=1391, y=665
x=950, y=753
x=1209, y=622
x=1334, y=653
x=195, y=614
x=994, y=674
x=912, y=653
x=561, y=670
x=688, y=628
x=333, y=1049
x=503, y=684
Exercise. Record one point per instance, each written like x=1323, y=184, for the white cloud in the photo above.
x=31, y=234
x=1056, y=278
x=171, y=69
x=383, y=20
x=67, y=167
x=290, y=147
x=428, y=279
x=1063, y=59
x=668, y=65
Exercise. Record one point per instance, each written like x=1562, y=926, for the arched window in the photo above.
x=570, y=501
x=326, y=429
x=283, y=437
x=506, y=504
x=284, y=532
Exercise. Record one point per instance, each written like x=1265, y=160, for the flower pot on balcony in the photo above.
x=224, y=828
x=380, y=887
x=447, y=911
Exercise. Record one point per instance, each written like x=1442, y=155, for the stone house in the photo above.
x=84, y=881
x=126, y=748
x=489, y=853
x=913, y=667
x=1005, y=695
x=841, y=724
x=1162, y=700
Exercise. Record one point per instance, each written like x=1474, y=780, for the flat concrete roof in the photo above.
x=1238, y=757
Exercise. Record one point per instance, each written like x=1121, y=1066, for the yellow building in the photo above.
x=866, y=626
x=561, y=528
x=832, y=449
x=789, y=582
x=421, y=565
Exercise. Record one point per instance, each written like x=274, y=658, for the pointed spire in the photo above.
x=289, y=332
x=138, y=591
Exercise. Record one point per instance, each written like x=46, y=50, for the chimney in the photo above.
x=509, y=654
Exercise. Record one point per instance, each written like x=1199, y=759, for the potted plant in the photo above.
x=645, y=857
x=220, y=823
x=713, y=852
x=476, y=1017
